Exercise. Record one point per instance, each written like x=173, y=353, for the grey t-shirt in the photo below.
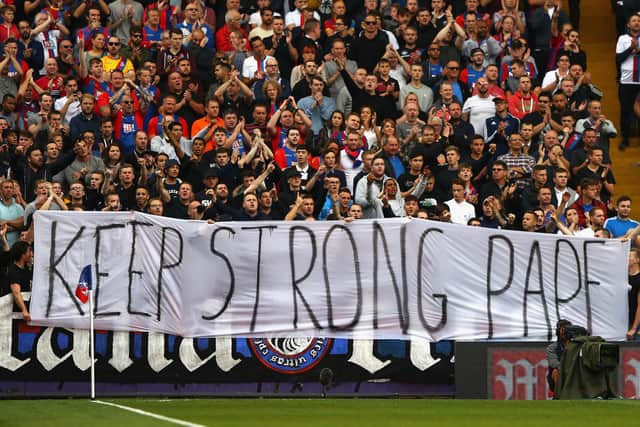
x=330, y=68
x=424, y=94
x=117, y=9
x=66, y=176
x=31, y=209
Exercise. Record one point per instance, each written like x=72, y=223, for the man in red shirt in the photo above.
x=52, y=81
x=233, y=23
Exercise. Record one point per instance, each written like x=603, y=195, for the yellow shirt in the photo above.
x=109, y=64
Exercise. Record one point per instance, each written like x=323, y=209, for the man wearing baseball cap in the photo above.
x=499, y=128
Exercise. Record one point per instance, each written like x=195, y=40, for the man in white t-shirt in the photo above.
x=461, y=210
x=478, y=108
x=254, y=66
x=69, y=105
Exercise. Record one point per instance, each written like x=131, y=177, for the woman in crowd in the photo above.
x=112, y=158
x=370, y=131
x=97, y=47
x=333, y=127
x=273, y=94
x=388, y=128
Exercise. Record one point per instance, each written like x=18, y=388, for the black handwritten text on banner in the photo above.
x=390, y=279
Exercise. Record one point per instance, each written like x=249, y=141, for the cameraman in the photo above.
x=554, y=352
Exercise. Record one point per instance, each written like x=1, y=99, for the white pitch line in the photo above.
x=150, y=414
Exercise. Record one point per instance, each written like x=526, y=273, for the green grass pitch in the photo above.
x=243, y=412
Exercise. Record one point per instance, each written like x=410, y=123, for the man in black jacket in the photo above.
x=31, y=167
x=363, y=93
x=371, y=45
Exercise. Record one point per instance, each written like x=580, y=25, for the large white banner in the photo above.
x=388, y=279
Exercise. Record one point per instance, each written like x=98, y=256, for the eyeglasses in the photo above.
x=127, y=102
x=370, y=22
x=137, y=36
x=65, y=46
x=453, y=68
x=114, y=43
x=497, y=169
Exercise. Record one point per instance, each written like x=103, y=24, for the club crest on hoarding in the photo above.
x=290, y=355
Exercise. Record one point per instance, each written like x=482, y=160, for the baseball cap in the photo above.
x=171, y=162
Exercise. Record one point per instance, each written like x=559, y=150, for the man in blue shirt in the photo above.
x=621, y=223
x=317, y=106
x=195, y=20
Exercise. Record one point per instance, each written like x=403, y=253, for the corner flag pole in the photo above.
x=92, y=346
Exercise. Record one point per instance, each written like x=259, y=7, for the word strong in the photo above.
x=390, y=279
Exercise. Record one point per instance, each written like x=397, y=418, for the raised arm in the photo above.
x=260, y=179
x=248, y=93
x=42, y=27
x=236, y=131
x=314, y=179
x=305, y=119
x=162, y=191
x=25, y=83
x=565, y=230
x=272, y=124
x=293, y=212
x=248, y=157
